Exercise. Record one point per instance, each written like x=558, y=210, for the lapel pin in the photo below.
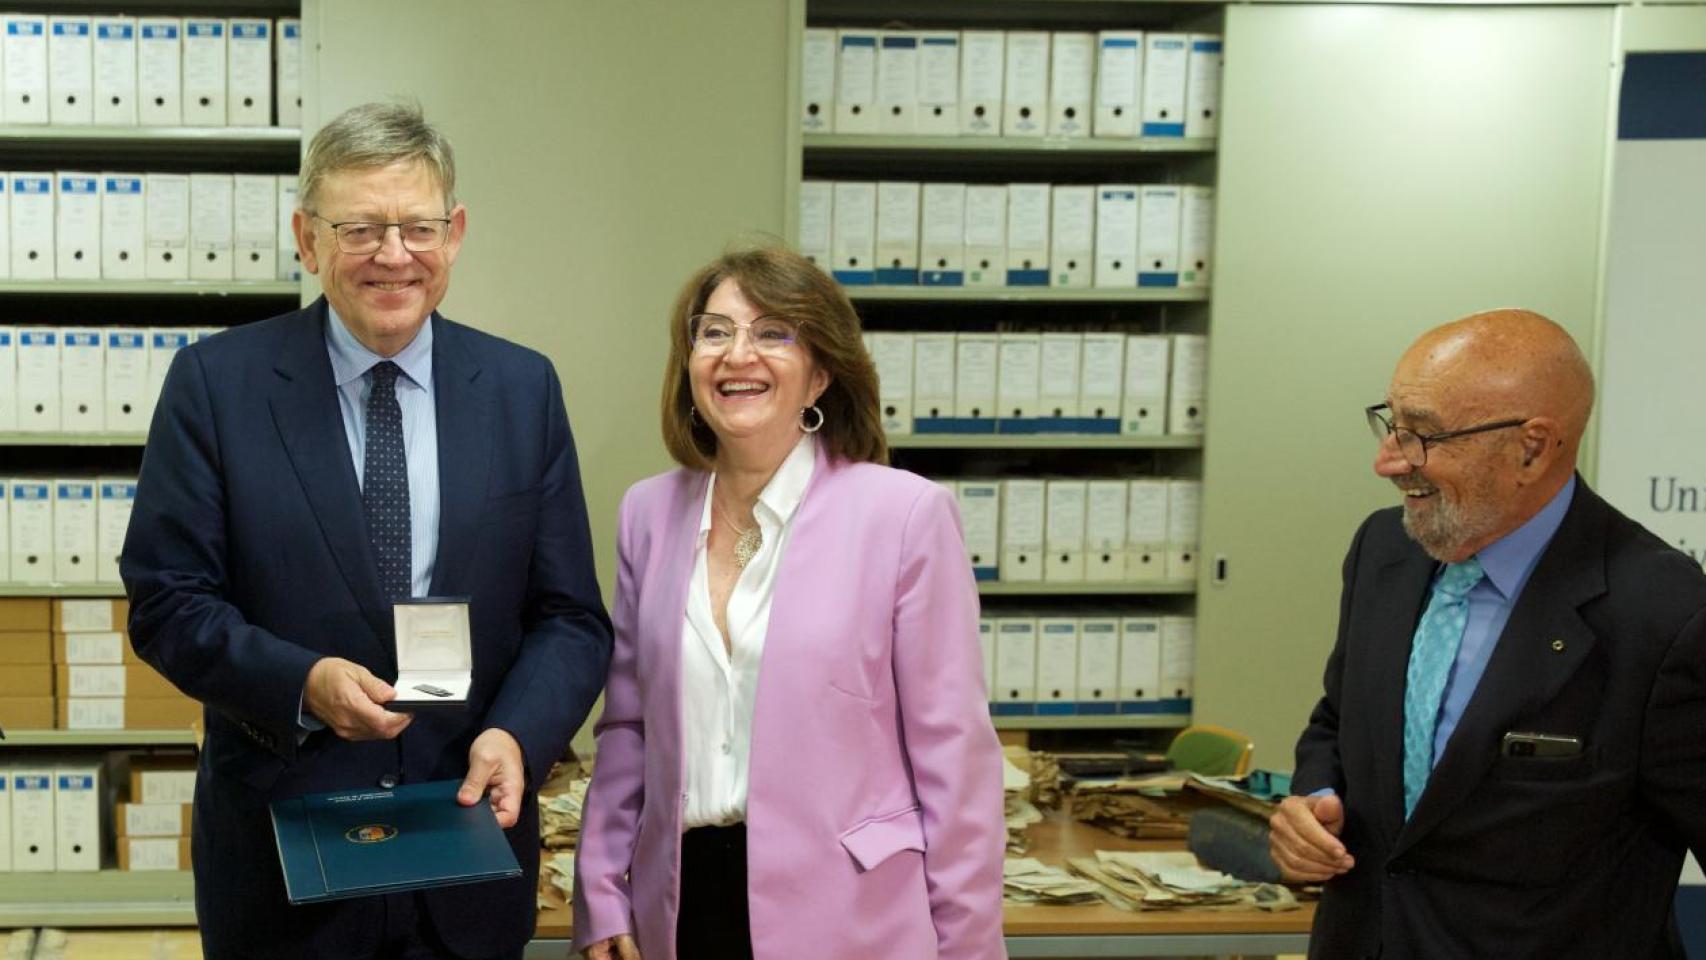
x=1557, y=646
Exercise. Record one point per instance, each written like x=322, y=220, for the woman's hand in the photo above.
x=619, y=947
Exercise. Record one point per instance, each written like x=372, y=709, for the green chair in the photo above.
x=1211, y=751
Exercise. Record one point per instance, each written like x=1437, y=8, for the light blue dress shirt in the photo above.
x=350, y=365
x=1507, y=563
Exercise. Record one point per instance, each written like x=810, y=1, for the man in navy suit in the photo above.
x=305, y=472
x=1508, y=757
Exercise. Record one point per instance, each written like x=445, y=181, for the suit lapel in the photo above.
x=304, y=406
x=1406, y=580
x=662, y=615
x=1542, y=645
x=463, y=404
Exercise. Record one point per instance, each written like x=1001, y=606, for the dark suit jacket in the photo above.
x=1514, y=857
x=247, y=559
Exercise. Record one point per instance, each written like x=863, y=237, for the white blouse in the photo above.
x=717, y=690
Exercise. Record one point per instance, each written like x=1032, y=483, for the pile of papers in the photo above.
x=1025, y=880
x=1021, y=813
x=1159, y=880
x=1130, y=808
x=560, y=803
x=556, y=880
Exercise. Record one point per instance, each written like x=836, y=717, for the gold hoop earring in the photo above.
x=816, y=426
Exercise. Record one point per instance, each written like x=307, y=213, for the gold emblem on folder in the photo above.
x=370, y=833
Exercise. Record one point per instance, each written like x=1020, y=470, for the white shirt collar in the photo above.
x=781, y=497
x=351, y=359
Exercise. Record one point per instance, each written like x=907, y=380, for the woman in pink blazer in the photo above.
x=795, y=760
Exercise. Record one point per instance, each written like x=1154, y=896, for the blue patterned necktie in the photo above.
x=1432, y=653
x=385, y=483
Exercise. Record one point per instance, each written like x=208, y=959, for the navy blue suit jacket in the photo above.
x=247, y=559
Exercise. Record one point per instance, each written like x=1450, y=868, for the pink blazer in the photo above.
x=874, y=814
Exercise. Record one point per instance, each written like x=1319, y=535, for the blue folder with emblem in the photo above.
x=357, y=843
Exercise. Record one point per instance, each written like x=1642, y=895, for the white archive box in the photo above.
x=117, y=495
x=853, y=242
x=288, y=81
x=1187, y=388
x=115, y=71
x=1202, y=85
x=1022, y=529
x=1015, y=664
x=31, y=520
x=932, y=378
x=1105, y=504
x=1072, y=236
x=1166, y=58
x=1057, y=666
x=211, y=226
x=1064, y=512
x=254, y=206
x=983, y=56
x=1196, y=237
x=938, y=83
x=75, y=527
x=1098, y=664
x=1184, y=526
x=248, y=72
x=82, y=380
x=163, y=344
x=204, y=72
x=1101, y=376
x=817, y=80
x=856, y=81
x=126, y=380
x=1058, y=384
x=1158, y=235
x=1140, y=663
x=986, y=645
x=980, y=517
x=897, y=233
x=32, y=216
x=166, y=225
x=77, y=226
x=1119, y=83
x=1116, y=235
x=1072, y=66
x=6, y=797
x=1025, y=93
x=1178, y=657
x=1146, y=529
x=817, y=205
x=124, y=227
x=8, y=379
x=986, y=235
x=33, y=833
x=892, y=355
x=435, y=654
x=942, y=235
x=5, y=554
x=38, y=380
x=77, y=817
x=159, y=71
x=1018, y=377
x=70, y=70
x=5, y=226
x=23, y=57
x=1027, y=234
x=897, y=82
x=1146, y=370
x=289, y=258
x=976, y=359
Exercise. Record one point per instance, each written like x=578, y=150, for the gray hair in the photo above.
x=377, y=135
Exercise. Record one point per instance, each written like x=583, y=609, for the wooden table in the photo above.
x=1092, y=930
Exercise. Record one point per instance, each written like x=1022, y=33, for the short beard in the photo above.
x=1451, y=524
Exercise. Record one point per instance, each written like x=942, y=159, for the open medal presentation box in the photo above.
x=435, y=654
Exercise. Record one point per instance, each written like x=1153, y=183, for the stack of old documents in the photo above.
x=560, y=802
x=1132, y=807
x=1025, y=880
x=1016, y=793
x=1156, y=880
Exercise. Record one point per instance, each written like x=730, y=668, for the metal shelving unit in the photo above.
x=167, y=288
x=998, y=588
x=1136, y=721
x=72, y=439
x=114, y=590
x=1033, y=441
x=1028, y=294
x=100, y=738
x=105, y=898
x=1047, y=146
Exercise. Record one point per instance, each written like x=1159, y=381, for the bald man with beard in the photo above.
x=1509, y=758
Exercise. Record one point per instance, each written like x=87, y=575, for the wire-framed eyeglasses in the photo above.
x=713, y=333
x=1413, y=445
x=362, y=237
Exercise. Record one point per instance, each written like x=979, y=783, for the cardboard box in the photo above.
x=90, y=616
x=26, y=680
x=25, y=646
x=26, y=713
x=127, y=713
x=151, y=819
x=131, y=681
x=153, y=853
x=162, y=779
x=26, y=613
x=97, y=647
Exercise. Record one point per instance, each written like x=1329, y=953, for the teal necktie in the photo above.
x=1432, y=653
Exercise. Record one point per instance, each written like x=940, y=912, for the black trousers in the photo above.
x=712, y=924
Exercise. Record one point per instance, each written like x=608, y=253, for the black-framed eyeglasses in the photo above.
x=362, y=237
x=713, y=333
x=1413, y=445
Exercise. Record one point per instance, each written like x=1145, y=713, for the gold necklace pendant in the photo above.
x=748, y=545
